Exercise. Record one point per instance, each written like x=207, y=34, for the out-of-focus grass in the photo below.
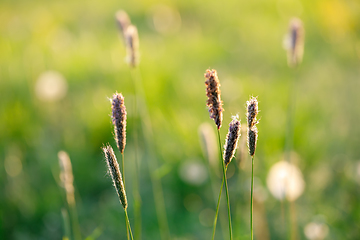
x=242, y=40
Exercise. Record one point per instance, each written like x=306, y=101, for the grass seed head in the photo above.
x=119, y=120
x=252, y=111
x=123, y=21
x=232, y=139
x=114, y=171
x=66, y=176
x=295, y=42
x=132, y=45
x=213, y=93
x=252, y=138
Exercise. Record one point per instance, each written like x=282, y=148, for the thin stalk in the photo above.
x=283, y=229
x=136, y=186
x=294, y=231
x=123, y=176
x=289, y=138
x=66, y=219
x=226, y=186
x=214, y=189
x=252, y=196
x=128, y=223
x=217, y=209
x=75, y=221
x=137, y=203
x=127, y=229
x=123, y=168
x=152, y=163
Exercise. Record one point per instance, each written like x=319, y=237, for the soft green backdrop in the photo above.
x=179, y=40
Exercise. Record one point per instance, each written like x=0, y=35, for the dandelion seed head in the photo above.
x=316, y=231
x=285, y=180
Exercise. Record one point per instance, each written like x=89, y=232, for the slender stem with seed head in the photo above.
x=68, y=182
x=226, y=187
x=137, y=197
x=251, y=196
x=252, y=111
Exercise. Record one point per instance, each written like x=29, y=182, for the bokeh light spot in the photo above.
x=50, y=86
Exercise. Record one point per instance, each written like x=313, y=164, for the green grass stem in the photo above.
x=152, y=162
x=136, y=186
x=226, y=190
x=217, y=209
x=128, y=224
x=251, y=198
x=123, y=177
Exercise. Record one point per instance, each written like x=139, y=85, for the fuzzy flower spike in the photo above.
x=119, y=120
x=213, y=92
x=123, y=21
x=115, y=174
x=132, y=45
x=252, y=138
x=252, y=111
x=232, y=139
x=295, y=42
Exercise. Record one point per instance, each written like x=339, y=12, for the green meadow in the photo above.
x=62, y=61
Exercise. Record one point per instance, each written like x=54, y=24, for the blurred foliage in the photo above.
x=242, y=40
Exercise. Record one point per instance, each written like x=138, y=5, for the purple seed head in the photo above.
x=232, y=139
x=252, y=138
x=252, y=111
x=114, y=171
x=132, y=45
x=123, y=21
x=295, y=43
x=213, y=93
x=119, y=120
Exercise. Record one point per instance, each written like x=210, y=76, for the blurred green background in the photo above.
x=60, y=61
